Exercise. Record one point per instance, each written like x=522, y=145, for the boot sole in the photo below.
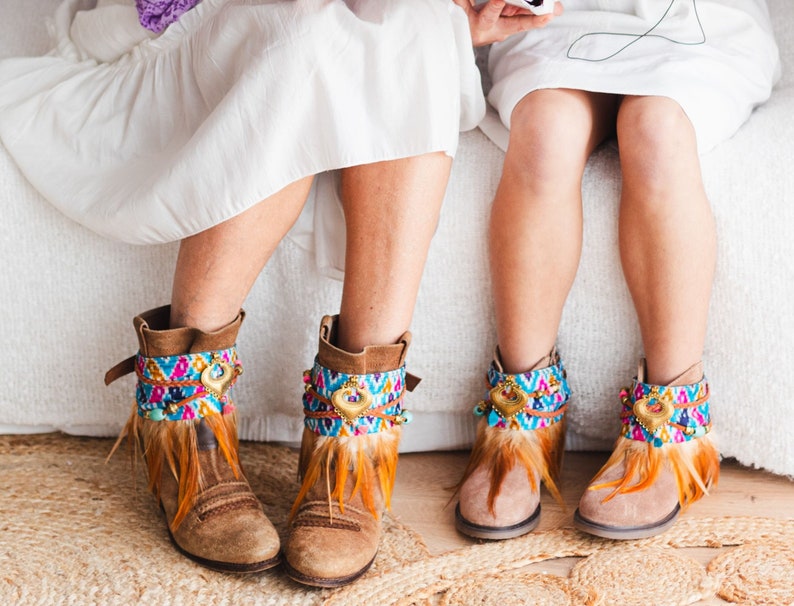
x=232, y=567
x=496, y=533
x=312, y=581
x=625, y=533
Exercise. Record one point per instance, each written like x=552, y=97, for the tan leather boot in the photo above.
x=353, y=409
x=520, y=441
x=184, y=423
x=663, y=461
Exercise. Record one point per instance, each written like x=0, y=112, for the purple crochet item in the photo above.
x=156, y=15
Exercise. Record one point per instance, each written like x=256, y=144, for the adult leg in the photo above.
x=535, y=243
x=663, y=459
x=184, y=417
x=216, y=268
x=391, y=212
x=349, y=452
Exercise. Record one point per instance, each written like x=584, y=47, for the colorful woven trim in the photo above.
x=531, y=400
x=186, y=387
x=664, y=415
x=337, y=404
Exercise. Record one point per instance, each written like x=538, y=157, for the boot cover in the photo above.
x=184, y=424
x=520, y=441
x=663, y=461
x=353, y=418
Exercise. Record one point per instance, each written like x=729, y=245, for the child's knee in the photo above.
x=653, y=123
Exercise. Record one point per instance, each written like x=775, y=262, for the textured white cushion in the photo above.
x=69, y=296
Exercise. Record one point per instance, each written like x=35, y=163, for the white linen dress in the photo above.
x=716, y=58
x=149, y=139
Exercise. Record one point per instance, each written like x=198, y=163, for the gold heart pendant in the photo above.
x=220, y=384
x=653, y=415
x=350, y=401
x=508, y=399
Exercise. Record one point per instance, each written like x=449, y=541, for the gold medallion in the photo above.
x=350, y=401
x=508, y=399
x=653, y=414
x=220, y=384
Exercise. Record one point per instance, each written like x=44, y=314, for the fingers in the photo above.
x=494, y=21
x=491, y=12
x=522, y=23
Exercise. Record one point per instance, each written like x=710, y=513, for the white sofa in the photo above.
x=68, y=297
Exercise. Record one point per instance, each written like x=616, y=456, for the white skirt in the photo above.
x=715, y=58
x=150, y=139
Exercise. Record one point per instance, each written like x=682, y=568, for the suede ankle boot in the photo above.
x=353, y=418
x=520, y=441
x=184, y=423
x=663, y=461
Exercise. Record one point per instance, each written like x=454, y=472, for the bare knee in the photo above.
x=550, y=132
x=655, y=136
x=658, y=152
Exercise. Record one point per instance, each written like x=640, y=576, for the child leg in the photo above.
x=535, y=242
x=667, y=233
x=536, y=219
x=663, y=460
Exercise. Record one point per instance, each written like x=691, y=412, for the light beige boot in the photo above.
x=663, y=461
x=185, y=425
x=520, y=441
x=353, y=410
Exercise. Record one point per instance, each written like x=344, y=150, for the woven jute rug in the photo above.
x=77, y=530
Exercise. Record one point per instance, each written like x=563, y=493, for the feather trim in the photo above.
x=695, y=464
x=539, y=451
x=370, y=458
x=172, y=447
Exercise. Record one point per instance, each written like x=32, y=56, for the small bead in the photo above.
x=407, y=415
x=479, y=409
x=156, y=414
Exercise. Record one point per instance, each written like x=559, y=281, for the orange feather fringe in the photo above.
x=695, y=464
x=539, y=451
x=370, y=458
x=172, y=447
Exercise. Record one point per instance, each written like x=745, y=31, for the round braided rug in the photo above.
x=627, y=576
x=510, y=589
x=761, y=572
x=77, y=530
x=424, y=580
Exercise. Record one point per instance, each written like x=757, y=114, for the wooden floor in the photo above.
x=421, y=500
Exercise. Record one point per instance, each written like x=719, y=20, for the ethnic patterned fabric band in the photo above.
x=665, y=414
x=188, y=386
x=530, y=400
x=337, y=404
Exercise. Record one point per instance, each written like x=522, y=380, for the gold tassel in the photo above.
x=499, y=450
x=371, y=458
x=173, y=445
x=695, y=464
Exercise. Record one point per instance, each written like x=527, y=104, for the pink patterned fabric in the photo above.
x=156, y=15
